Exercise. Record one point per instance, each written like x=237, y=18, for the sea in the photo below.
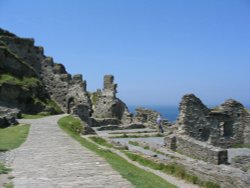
x=168, y=112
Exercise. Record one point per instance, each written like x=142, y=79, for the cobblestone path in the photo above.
x=51, y=159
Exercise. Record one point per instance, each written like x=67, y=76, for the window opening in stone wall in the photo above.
x=228, y=130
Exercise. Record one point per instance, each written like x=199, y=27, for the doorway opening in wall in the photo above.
x=70, y=104
x=226, y=129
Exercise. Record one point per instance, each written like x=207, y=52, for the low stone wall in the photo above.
x=98, y=122
x=197, y=149
x=224, y=175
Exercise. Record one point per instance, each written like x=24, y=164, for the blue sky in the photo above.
x=158, y=50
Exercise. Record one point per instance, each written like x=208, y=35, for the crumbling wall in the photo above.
x=223, y=126
x=148, y=116
x=193, y=118
x=198, y=149
x=108, y=105
x=247, y=127
x=231, y=122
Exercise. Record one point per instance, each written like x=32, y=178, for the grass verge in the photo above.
x=13, y=137
x=172, y=169
x=138, y=177
x=9, y=185
x=241, y=146
x=101, y=141
x=33, y=116
x=3, y=169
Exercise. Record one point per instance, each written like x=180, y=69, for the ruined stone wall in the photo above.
x=79, y=97
x=224, y=175
x=109, y=88
x=247, y=127
x=201, y=150
x=69, y=92
x=146, y=116
x=231, y=122
x=108, y=105
x=223, y=126
x=193, y=118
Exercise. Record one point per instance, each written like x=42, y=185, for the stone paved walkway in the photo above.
x=51, y=159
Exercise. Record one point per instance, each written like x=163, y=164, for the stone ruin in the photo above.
x=203, y=133
x=148, y=118
x=107, y=108
x=110, y=110
x=20, y=58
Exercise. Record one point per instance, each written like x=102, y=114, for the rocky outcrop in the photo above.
x=8, y=116
x=34, y=83
x=20, y=84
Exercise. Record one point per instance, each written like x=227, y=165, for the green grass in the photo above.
x=101, y=141
x=95, y=97
x=53, y=105
x=138, y=177
x=135, y=143
x=9, y=185
x=172, y=169
x=3, y=169
x=13, y=137
x=25, y=82
x=71, y=124
x=241, y=146
x=49, y=103
x=33, y=116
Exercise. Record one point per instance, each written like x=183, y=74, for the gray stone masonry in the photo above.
x=148, y=118
x=197, y=149
x=107, y=105
x=223, y=126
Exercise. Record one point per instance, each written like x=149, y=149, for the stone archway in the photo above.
x=70, y=104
